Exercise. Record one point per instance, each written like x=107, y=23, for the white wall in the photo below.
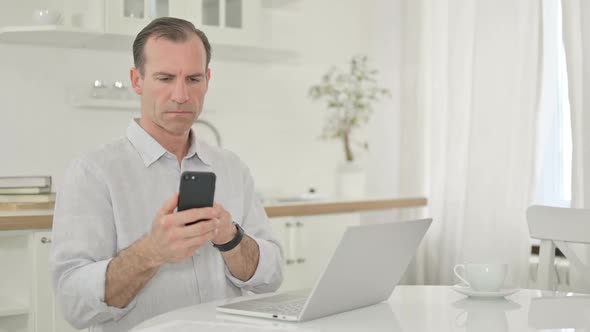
x=384, y=130
x=261, y=110
x=413, y=157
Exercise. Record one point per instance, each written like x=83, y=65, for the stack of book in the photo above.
x=25, y=189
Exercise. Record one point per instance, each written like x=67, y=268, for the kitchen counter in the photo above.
x=30, y=218
x=343, y=206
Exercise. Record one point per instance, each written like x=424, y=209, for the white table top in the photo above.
x=410, y=308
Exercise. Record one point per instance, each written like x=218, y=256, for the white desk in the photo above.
x=410, y=308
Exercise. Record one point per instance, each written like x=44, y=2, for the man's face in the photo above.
x=174, y=84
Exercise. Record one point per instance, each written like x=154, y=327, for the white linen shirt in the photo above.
x=109, y=199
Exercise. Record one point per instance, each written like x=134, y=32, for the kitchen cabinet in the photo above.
x=45, y=314
x=14, y=290
x=26, y=297
x=230, y=22
x=308, y=244
x=128, y=17
x=41, y=295
x=234, y=27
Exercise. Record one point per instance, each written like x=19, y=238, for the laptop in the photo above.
x=364, y=269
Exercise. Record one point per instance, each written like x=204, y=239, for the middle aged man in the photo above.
x=121, y=254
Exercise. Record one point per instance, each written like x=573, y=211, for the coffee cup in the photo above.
x=482, y=277
x=46, y=16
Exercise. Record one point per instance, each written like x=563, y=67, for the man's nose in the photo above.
x=180, y=93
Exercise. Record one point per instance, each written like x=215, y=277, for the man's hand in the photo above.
x=170, y=241
x=242, y=260
x=226, y=230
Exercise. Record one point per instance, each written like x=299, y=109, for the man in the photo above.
x=121, y=254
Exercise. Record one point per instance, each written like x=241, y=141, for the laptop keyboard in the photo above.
x=292, y=308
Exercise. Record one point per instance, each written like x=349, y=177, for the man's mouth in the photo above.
x=179, y=112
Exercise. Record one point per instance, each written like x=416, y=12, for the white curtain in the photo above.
x=576, y=36
x=469, y=115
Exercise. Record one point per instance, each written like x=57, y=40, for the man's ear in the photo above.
x=136, y=80
x=208, y=76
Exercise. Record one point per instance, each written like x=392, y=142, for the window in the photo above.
x=555, y=136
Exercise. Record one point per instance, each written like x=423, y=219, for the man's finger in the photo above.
x=200, y=240
x=169, y=205
x=201, y=228
x=187, y=216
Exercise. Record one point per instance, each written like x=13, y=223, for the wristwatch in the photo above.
x=233, y=242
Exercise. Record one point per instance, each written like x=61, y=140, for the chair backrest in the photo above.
x=556, y=227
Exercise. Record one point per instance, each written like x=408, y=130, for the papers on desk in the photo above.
x=192, y=326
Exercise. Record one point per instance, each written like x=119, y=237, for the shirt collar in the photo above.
x=198, y=148
x=150, y=150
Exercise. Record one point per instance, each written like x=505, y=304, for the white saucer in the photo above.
x=466, y=290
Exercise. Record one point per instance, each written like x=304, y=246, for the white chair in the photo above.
x=556, y=227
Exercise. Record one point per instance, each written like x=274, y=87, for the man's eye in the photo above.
x=194, y=80
x=164, y=79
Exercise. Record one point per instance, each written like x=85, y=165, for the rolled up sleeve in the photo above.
x=269, y=272
x=81, y=297
x=83, y=244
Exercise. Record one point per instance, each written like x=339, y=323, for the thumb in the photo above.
x=170, y=204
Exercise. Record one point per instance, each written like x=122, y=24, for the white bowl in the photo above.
x=46, y=16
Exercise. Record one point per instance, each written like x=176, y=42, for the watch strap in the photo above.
x=233, y=242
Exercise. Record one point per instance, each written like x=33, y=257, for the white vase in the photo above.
x=350, y=180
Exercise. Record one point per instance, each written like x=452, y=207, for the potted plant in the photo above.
x=349, y=96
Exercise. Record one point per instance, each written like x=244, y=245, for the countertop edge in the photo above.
x=21, y=220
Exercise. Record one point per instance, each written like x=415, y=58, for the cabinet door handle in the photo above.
x=299, y=240
x=289, y=245
x=45, y=239
x=293, y=243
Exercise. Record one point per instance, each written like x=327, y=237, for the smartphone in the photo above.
x=197, y=190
